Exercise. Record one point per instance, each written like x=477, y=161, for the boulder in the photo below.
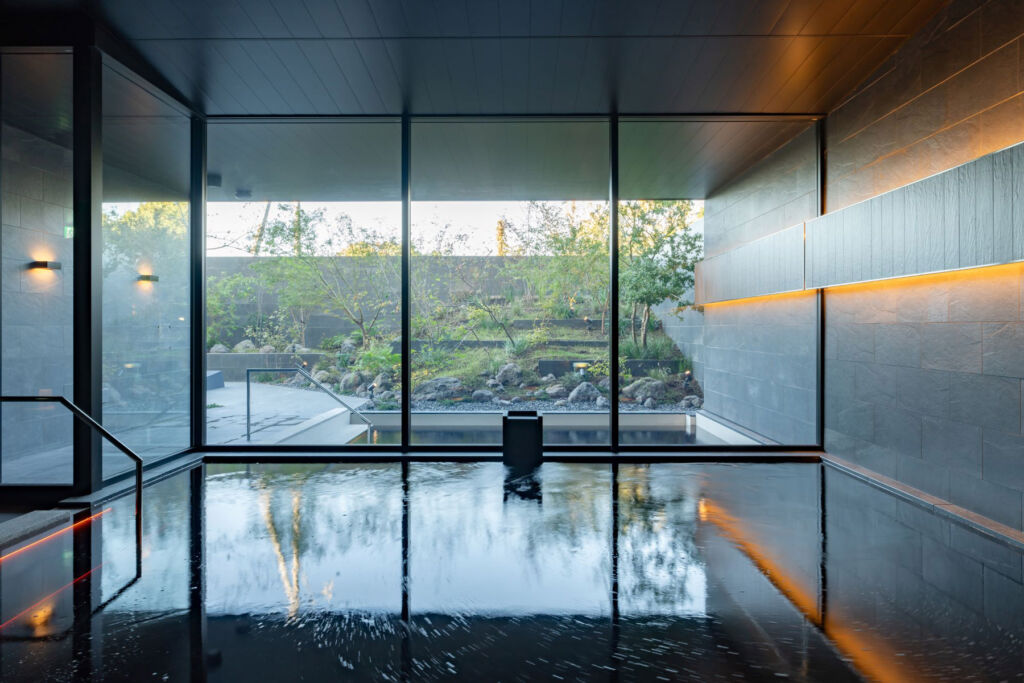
x=493, y=383
x=561, y=402
x=556, y=391
x=347, y=347
x=584, y=393
x=267, y=348
x=386, y=396
x=645, y=388
x=483, y=396
x=244, y=346
x=650, y=403
x=382, y=381
x=290, y=348
x=602, y=402
x=548, y=378
x=350, y=381
x=510, y=373
x=438, y=388
x=219, y=348
x=605, y=383
x=691, y=402
x=321, y=375
x=515, y=399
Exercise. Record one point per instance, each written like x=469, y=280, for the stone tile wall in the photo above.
x=777, y=192
x=923, y=383
x=37, y=306
x=952, y=93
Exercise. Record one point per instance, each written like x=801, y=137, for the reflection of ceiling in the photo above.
x=690, y=159
x=483, y=159
x=146, y=147
x=42, y=105
x=307, y=161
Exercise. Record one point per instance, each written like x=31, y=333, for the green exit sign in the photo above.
x=69, y=231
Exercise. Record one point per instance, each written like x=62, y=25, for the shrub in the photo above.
x=334, y=342
x=378, y=358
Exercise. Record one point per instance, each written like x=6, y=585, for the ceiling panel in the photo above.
x=512, y=56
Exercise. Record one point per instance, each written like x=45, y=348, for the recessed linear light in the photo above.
x=148, y=278
x=44, y=265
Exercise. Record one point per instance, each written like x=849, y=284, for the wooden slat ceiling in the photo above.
x=513, y=56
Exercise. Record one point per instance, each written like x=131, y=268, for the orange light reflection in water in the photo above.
x=59, y=532
x=872, y=656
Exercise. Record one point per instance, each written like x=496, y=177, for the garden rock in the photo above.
x=350, y=381
x=291, y=348
x=347, y=347
x=522, y=385
x=560, y=403
x=515, y=399
x=584, y=393
x=556, y=391
x=602, y=402
x=322, y=376
x=438, y=388
x=219, y=348
x=645, y=388
x=605, y=383
x=244, y=346
x=382, y=381
x=483, y=396
x=650, y=403
x=503, y=402
x=510, y=373
x=386, y=396
x=691, y=402
x=493, y=383
x=267, y=349
x=548, y=378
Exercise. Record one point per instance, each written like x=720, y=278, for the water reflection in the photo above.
x=474, y=571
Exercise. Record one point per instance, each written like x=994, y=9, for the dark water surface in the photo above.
x=465, y=571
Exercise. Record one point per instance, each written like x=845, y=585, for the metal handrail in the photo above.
x=87, y=419
x=305, y=373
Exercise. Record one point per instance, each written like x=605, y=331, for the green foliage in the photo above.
x=658, y=348
x=334, y=342
x=378, y=358
x=516, y=348
x=223, y=295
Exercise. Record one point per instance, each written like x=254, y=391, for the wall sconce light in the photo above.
x=148, y=278
x=44, y=265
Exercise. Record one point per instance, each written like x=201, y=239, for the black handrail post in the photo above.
x=87, y=420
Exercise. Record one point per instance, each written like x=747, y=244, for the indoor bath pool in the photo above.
x=469, y=571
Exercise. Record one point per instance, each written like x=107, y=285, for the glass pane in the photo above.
x=509, y=278
x=731, y=371
x=146, y=368
x=303, y=290
x=36, y=279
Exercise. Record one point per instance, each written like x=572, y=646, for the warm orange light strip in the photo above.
x=42, y=600
x=54, y=535
x=764, y=297
x=871, y=656
x=942, y=276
